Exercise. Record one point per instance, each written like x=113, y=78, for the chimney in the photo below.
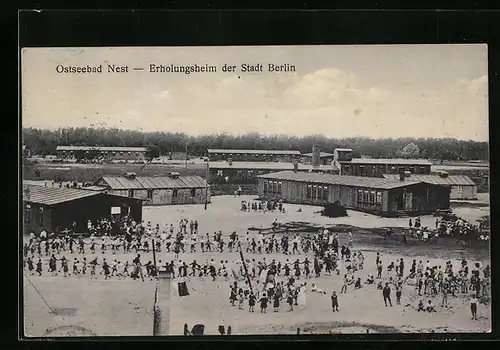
x=230, y=161
x=443, y=174
x=402, y=174
x=295, y=167
x=407, y=173
x=316, y=151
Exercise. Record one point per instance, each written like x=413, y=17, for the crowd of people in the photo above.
x=262, y=206
x=448, y=226
x=259, y=278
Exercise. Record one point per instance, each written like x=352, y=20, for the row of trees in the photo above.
x=44, y=142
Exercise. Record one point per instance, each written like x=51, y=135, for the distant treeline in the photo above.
x=44, y=142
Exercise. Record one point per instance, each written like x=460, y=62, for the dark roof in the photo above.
x=254, y=151
x=266, y=166
x=460, y=180
x=53, y=195
x=344, y=180
x=321, y=154
x=152, y=182
x=395, y=161
x=98, y=148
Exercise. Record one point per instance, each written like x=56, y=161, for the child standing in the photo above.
x=251, y=302
x=263, y=303
x=276, y=302
x=473, y=307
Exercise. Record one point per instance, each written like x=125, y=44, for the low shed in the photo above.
x=462, y=186
x=55, y=209
x=158, y=190
x=374, y=195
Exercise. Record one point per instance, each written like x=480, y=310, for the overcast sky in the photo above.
x=338, y=91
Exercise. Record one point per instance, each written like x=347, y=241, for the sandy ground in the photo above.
x=124, y=307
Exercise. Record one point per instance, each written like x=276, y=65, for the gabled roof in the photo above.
x=321, y=154
x=344, y=180
x=380, y=161
x=277, y=166
x=460, y=180
x=53, y=195
x=151, y=182
x=98, y=148
x=254, y=151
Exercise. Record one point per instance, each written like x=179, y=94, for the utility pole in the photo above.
x=245, y=267
x=186, y=155
x=206, y=184
x=156, y=308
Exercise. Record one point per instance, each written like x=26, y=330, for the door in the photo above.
x=408, y=201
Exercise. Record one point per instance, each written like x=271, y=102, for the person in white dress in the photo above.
x=301, y=297
x=263, y=275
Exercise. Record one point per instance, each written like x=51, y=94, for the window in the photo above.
x=40, y=215
x=265, y=186
x=150, y=194
x=325, y=193
x=174, y=193
x=27, y=214
x=314, y=191
x=460, y=189
x=131, y=193
x=372, y=197
x=309, y=191
x=279, y=187
x=366, y=195
x=360, y=195
x=193, y=192
x=320, y=192
x=379, y=197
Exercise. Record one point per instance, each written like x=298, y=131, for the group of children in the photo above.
x=185, y=239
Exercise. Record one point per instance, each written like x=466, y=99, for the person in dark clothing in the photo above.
x=386, y=292
x=263, y=303
x=413, y=268
x=105, y=268
x=401, y=267
x=213, y=273
x=276, y=302
x=251, y=302
x=233, y=297
x=335, y=301
x=39, y=267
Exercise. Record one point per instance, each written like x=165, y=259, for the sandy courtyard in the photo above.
x=124, y=307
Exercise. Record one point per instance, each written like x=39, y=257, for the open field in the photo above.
x=124, y=307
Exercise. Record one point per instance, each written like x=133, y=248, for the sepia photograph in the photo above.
x=255, y=190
